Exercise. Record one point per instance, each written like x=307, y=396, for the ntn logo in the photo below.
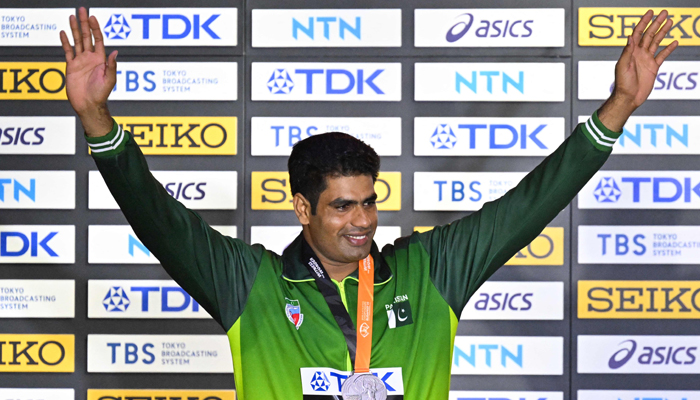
x=28, y=136
x=17, y=244
x=652, y=355
x=637, y=133
x=492, y=29
x=343, y=26
x=500, y=136
x=336, y=81
x=489, y=77
x=471, y=356
x=135, y=243
x=29, y=191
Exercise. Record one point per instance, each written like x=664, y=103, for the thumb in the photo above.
x=111, y=68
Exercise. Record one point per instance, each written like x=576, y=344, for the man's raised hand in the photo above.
x=635, y=72
x=90, y=77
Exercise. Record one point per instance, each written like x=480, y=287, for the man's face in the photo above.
x=345, y=220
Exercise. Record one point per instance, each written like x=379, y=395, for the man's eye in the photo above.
x=370, y=203
x=343, y=207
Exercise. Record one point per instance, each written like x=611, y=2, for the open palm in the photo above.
x=635, y=72
x=89, y=76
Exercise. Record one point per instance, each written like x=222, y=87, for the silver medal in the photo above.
x=364, y=387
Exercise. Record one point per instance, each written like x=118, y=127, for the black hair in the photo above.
x=331, y=154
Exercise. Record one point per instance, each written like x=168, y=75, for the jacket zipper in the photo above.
x=341, y=290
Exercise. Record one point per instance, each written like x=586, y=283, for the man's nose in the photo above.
x=361, y=218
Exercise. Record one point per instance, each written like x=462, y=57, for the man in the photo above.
x=299, y=323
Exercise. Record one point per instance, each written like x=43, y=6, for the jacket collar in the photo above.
x=295, y=270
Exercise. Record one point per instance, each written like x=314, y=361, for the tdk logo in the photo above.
x=18, y=244
x=116, y=300
x=140, y=299
x=326, y=81
x=117, y=26
x=328, y=25
x=28, y=191
x=500, y=136
x=652, y=355
x=320, y=383
x=607, y=191
x=168, y=26
x=642, y=189
x=470, y=81
x=498, y=28
x=487, y=354
x=332, y=81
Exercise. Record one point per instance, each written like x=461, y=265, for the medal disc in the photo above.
x=363, y=387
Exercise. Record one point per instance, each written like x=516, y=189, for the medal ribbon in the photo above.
x=359, y=341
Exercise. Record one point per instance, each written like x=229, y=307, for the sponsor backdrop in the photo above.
x=460, y=103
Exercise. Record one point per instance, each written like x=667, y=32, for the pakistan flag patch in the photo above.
x=399, y=313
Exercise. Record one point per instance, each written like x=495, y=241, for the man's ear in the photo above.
x=302, y=208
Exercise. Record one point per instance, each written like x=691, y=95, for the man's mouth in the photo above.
x=357, y=240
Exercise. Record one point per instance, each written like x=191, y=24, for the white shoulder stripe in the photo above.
x=119, y=138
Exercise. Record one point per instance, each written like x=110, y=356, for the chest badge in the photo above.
x=399, y=313
x=293, y=311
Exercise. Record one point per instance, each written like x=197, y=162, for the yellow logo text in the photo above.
x=607, y=26
x=183, y=135
x=37, y=353
x=270, y=191
x=32, y=81
x=639, y=299
x=132, y=394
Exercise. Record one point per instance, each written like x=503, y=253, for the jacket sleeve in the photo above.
x=468, y=251
x=216, y=270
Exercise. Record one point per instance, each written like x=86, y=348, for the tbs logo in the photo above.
x=493, y=29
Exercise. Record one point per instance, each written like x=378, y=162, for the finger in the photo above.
x=641, y=26
x=626, y=55
x=660, y=36
x=85, y=28
x=111, y=70
x=650, y=33
x=97, y=33
x=77, y=38
x=665, y=53
x=66, y=46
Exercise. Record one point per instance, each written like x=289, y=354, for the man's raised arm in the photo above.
x=468, y=251
x=215, y=270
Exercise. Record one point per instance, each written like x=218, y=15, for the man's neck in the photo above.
x=336, y=271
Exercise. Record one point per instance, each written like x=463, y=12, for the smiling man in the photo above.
x=333, y=314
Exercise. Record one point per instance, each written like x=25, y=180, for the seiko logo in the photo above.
x=37, y=353
x=639, y=299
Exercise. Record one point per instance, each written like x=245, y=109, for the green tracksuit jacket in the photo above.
x=284, y=340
